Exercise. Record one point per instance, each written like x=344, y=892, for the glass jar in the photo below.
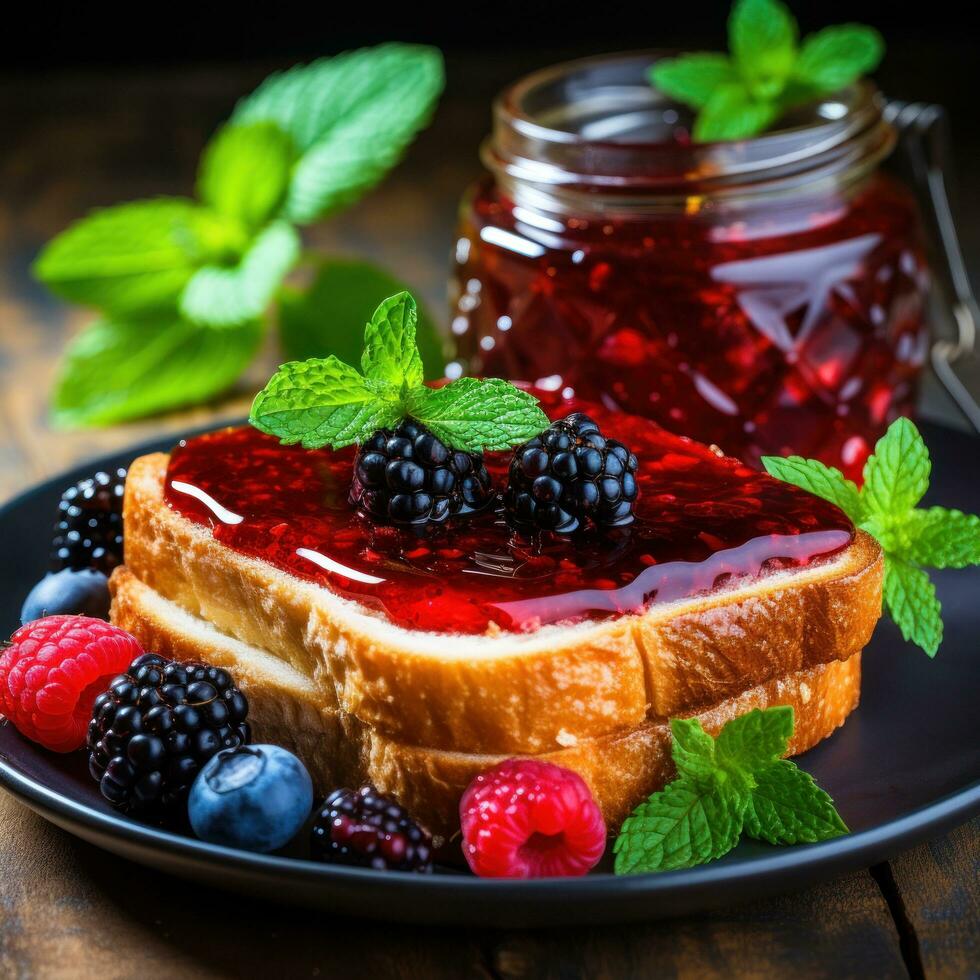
x=766, y=295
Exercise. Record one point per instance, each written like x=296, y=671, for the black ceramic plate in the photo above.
x=905, y=767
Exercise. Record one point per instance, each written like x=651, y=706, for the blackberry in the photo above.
x=408, y=476
x=89, y=531
x=367, y=829
x=571, y=476
x=156, y=726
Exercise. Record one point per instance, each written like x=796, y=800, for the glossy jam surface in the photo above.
x=797, y=327
x=702, y=522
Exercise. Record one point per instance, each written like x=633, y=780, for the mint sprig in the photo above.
x=350, y=117
x=305, y=144
x=245, y=172
x=115, y=371
x=767, y=71
x=136, y=259
x=733, y=783
x=896, y=477
x=326, y=402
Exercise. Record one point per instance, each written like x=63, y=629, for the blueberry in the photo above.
x=85, y=592
x=255, y=797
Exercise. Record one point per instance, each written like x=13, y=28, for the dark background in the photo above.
x=932, y=52
x=116, y=34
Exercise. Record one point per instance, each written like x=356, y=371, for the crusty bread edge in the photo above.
x=506, y=692
x=286, y=708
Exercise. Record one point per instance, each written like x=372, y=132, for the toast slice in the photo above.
x=288, y=708
x=500, y=693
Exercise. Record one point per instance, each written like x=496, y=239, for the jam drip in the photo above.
x=703, y=522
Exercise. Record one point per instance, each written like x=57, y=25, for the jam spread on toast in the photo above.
x=702, y=522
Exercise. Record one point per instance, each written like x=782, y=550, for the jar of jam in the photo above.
x=766, y=295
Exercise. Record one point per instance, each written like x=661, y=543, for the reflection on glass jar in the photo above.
x=767, y=296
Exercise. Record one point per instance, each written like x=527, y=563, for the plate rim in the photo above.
x=902, y=831
x=845, y=853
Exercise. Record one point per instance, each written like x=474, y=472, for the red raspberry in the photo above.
x=53, y=671
x=528, y=819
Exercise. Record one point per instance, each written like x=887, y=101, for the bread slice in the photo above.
x=505, y=693
x=287, y=708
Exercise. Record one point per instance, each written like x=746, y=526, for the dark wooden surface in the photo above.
x=67, y=909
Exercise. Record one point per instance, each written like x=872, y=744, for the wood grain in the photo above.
x=938, y=886
x=839, y=929
x=70, y=911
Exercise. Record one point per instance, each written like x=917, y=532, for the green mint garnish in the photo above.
x=736, y=782
x=350, y=118
x=120, y=370
x=245, y=172
x=767, y=72
x=896, y=477
x=217, y=296
x=326, y=402
x=136, y=259
x=305, y=144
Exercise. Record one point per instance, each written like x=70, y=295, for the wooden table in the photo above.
x=69, y=910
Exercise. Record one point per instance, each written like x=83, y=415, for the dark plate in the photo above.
x=905, y=767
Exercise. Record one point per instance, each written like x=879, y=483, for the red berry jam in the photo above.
x=806, y=339
x=703, y=521
x=767, y=295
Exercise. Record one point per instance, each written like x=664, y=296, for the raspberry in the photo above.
x=369, y=830
x=529, y=819
x=89, y=531
x=571, y=475
x=407, y=476
x=52, y=672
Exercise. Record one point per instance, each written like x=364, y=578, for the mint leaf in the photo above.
x=687, y=823
x=136, y=258
x=762, y=37
x=942, y=538
x=756, y=739
x=731, y=113
x=221, y=297
x=328, y=314
x=692, y=78
x=837, y=56
x=739, y=774
x=473, y=415
x=117, y=371
x=351, y=118
x=787, y=807
x=322, y=402
x=390, y=352
x=897, y=475
x=767, y=73
x=693, y=749
x=910, y=598
x=817, y=478
x=327, y=402
x=245, y=171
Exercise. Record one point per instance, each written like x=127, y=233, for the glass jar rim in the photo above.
x=567, y=132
